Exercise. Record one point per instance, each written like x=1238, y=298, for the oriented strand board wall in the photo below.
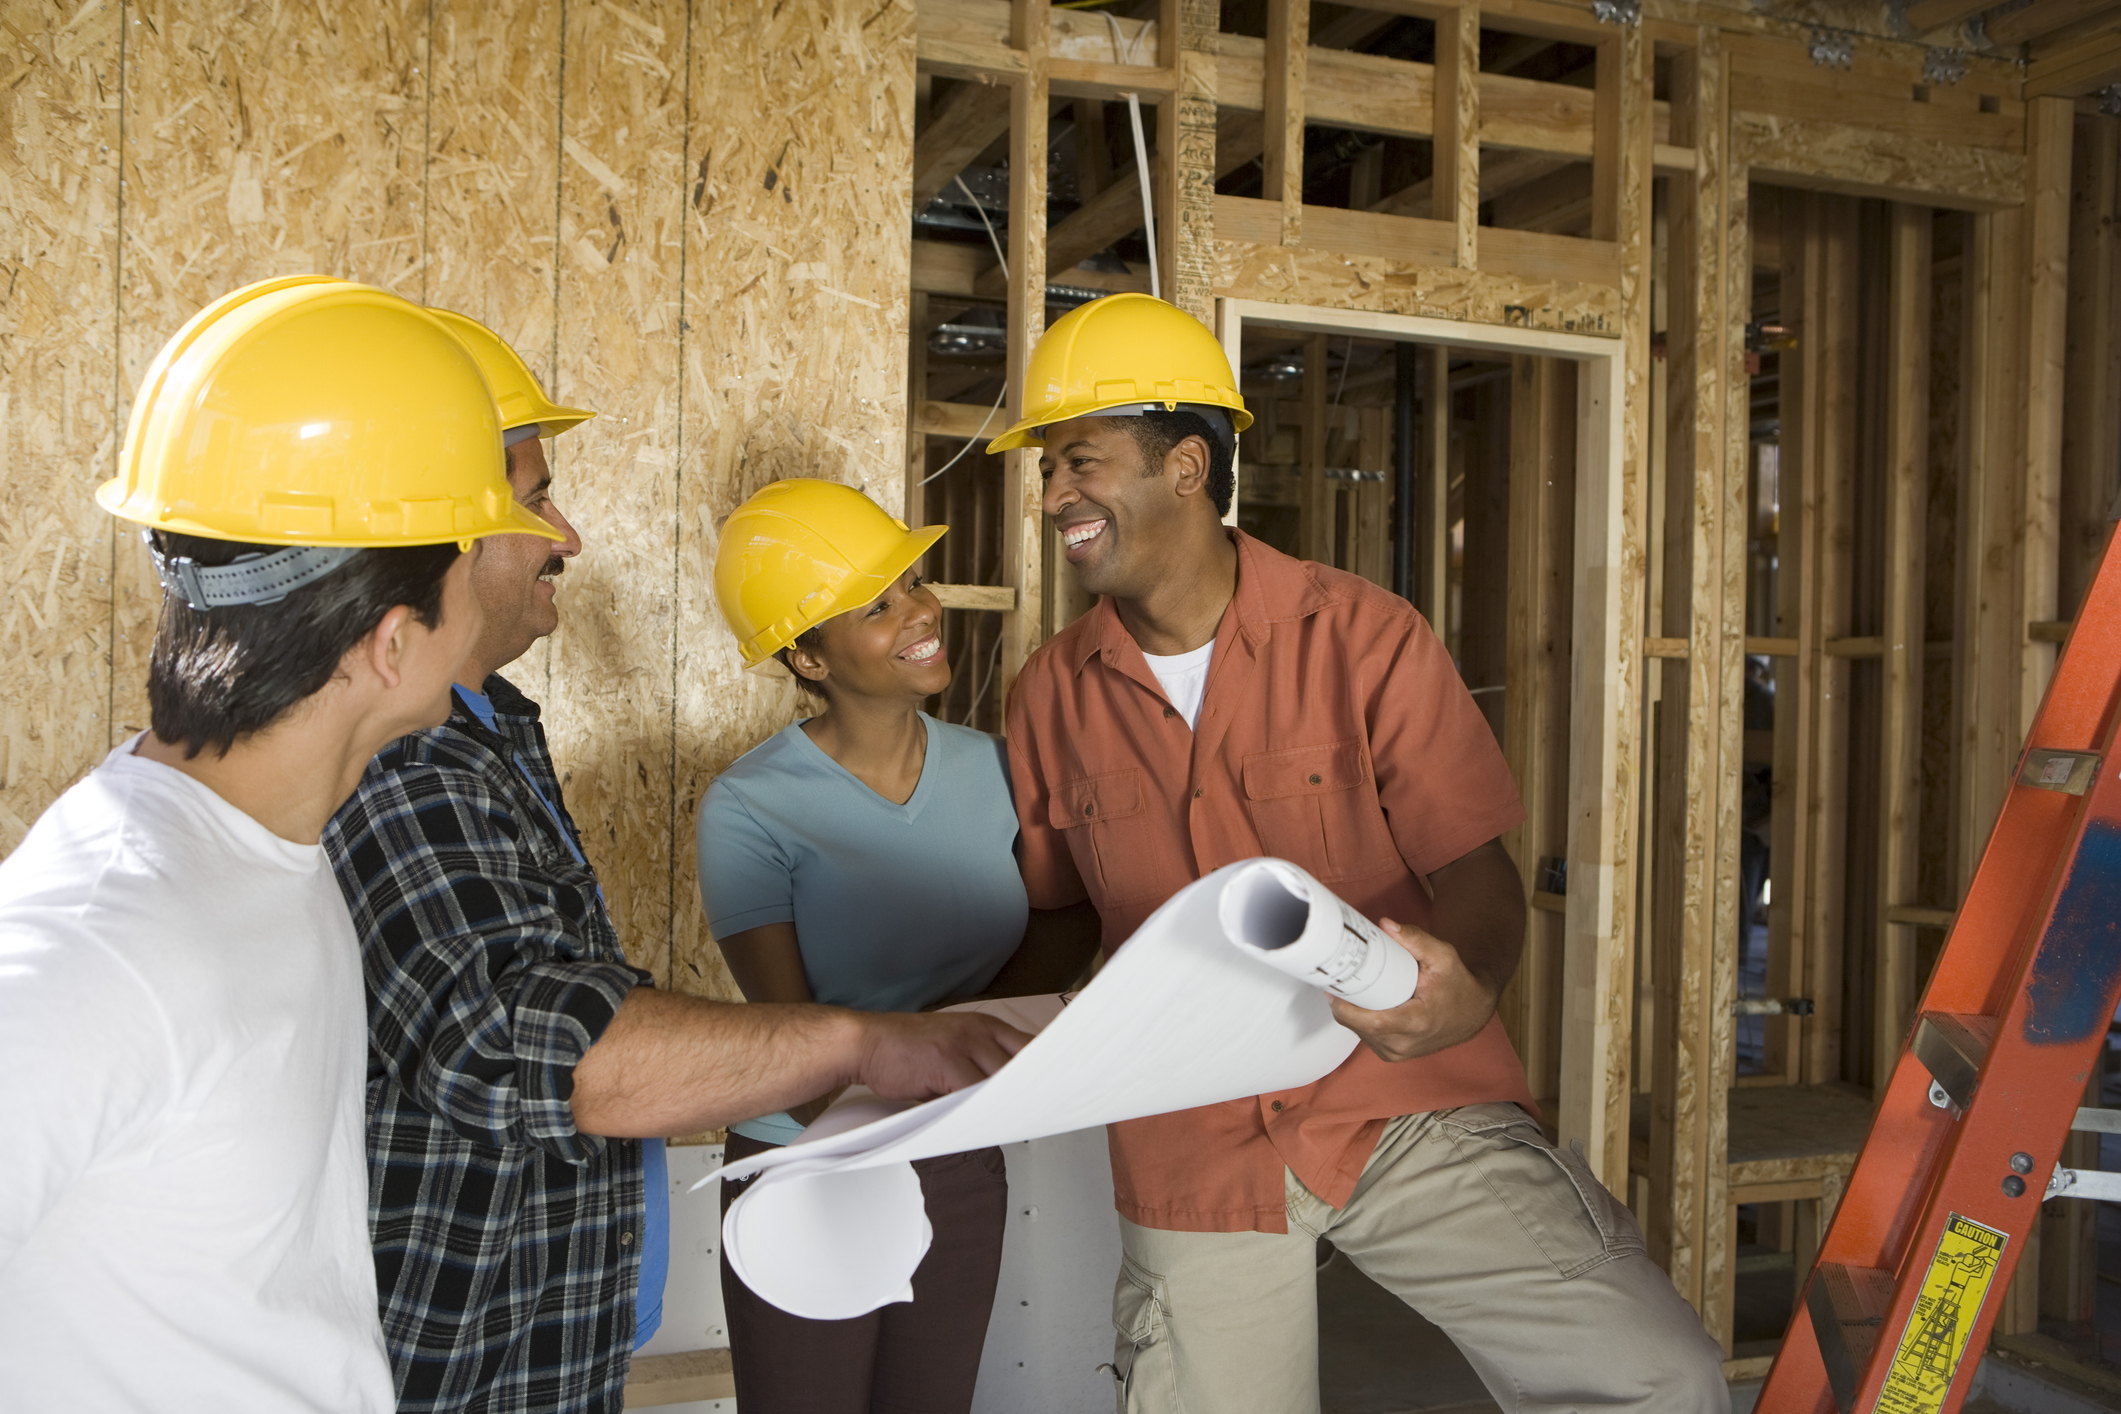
x=692, y=217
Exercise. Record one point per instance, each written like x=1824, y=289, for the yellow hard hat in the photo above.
x=801, y=551
x=317, y=412
x=523, y=403
x=1122, y=349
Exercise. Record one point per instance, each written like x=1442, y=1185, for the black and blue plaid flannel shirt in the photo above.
x=508, y=1244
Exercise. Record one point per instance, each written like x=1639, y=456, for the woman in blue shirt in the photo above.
x=864, y=857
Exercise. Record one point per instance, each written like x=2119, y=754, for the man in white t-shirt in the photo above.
x=183, y=1202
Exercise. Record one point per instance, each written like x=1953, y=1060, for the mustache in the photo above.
x=553, y=566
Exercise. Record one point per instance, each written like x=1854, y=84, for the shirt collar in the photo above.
x=1271, y=588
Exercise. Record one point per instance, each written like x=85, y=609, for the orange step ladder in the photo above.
x=1964, y=1147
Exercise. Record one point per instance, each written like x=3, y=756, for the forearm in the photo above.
x=671, y=1064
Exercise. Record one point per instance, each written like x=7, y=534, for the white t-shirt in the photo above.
x=183, y=1192
x=1185, y=678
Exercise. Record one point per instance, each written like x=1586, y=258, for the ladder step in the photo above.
x=2090, y=1121
x=1847, y=1306
x=1952, y=1047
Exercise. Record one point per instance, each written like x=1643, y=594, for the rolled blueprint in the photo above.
x=1279, y=914
x=1183, y=1015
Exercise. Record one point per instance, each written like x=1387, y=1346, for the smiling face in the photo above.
x=889, y=649
x=1116, y=514
x=514, y=576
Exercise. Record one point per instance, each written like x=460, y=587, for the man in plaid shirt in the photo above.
x=516, y=1061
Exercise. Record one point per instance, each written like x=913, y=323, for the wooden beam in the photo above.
x=1907, y=416
x=1926, y=15
x=2081, y=69
x=2053, y=127
x=1698, y=913
x=1457, y=145
x=1535, y=700
x=968, y=123
x=1432, y=562
x=1288, y=42
x=655, y=1380
x=982, y=598
x=2091, y=430
x=2041, y=17
x=1194, y=141
x=1023, y=526
x=1315, y=494
x=1605, y=697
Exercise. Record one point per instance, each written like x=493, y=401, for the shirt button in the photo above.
x=1276, y=1106
x=1314, y=780
x=626, y=1238
x=1089, y=810
x=1196, y=795
x=1169, y=713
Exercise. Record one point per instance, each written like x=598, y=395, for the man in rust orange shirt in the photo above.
x=1223, y=701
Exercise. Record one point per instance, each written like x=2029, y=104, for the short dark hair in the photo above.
x=218, y=675
x=1156, y=433
x=808, y=640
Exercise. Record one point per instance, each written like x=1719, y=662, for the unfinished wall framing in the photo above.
x=1857, y=454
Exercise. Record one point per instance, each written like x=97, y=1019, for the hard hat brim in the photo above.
x=517, y=519
x=852, y=592
x=1031, y=431
x=554, y=420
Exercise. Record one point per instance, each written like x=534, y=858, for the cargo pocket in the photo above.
x=1141, y=1350
x=1560, y=1204
x=1101, y=818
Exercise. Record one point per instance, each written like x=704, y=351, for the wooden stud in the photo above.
x=1906, y=497
x=1432, y=561
x=1536, y=696
x=1190, y=156
x=1605, y=695
x=1023, y=520
x=2047, y=199
x=1315, y=495
x=1288, y=44
x=1456, y=183
x=2091, y=429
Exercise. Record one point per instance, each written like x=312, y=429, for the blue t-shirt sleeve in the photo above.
x=746, y=879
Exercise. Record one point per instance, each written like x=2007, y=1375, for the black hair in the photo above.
x=1156, y=433
x=808, y=640
x=218, y=675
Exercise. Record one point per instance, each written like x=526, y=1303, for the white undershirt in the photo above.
x=1184, y=677
x=183, y=1205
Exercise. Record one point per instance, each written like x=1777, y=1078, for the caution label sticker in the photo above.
x=1943, y=1319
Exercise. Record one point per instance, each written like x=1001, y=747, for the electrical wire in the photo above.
x=1123, y=53
x=1002, y=396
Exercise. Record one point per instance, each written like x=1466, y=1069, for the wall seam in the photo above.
x=677, y=509
x=559, y=188
x=117, y=401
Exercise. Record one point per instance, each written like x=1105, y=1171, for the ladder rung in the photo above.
x=2085, y=1183
x=1847, y=1306
x=2090, y=1121
x=1952, y=1047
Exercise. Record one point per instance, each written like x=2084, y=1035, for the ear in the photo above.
x=383, y=653
x=807, y=664
x=1187, y=464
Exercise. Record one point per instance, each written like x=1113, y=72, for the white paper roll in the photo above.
x=1281, y=915
x=1183, y=1015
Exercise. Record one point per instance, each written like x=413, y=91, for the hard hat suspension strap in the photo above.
x=1218, y=421
x=253, y=579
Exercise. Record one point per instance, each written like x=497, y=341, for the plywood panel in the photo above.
x=490, y=218
x=608, y=710
x=260, y=140
x=1296, y=275
x=1861, y=160
x=795, y=359
x=58, y=426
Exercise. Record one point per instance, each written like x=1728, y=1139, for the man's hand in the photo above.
x=1450, y=1004
x=919, y=1057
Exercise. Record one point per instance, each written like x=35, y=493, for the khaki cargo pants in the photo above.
x=1470, y=1217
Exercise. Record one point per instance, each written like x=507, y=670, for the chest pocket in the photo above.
x=1107, y=832
x=1317, y=806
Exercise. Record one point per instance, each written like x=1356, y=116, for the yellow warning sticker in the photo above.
x=1937, y=1331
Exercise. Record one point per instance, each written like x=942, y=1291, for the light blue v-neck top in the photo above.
x=895, y=907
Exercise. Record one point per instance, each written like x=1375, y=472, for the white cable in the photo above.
x=1000, y=397
x=1123, y=53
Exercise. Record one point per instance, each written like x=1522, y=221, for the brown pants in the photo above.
x=917, y=1357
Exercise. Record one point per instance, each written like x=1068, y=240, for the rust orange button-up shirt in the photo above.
x=1335, y=733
